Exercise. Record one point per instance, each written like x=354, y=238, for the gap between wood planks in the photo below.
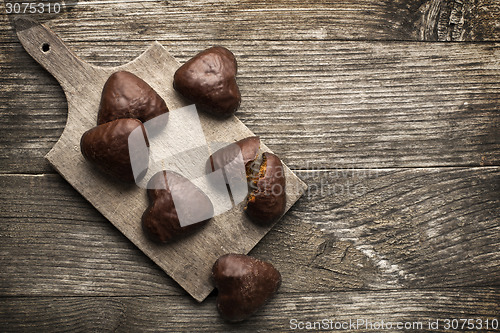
x=147, y=42
x=38, y=174
x=486, y=287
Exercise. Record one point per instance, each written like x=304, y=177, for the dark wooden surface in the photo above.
x=394, y=129
x=189, y=262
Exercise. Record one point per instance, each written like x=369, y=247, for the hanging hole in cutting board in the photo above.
x=45, y=47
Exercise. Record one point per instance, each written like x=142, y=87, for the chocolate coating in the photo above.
x=244, y=283
x=107, y=147
x=209, y=80
x=234, y=157
x=171, y=194
x=127, y=96
x=267, y=201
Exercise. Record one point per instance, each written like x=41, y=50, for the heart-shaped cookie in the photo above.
x=244, y=285
x=234, y=159
x=125, y=95
x=209, y=80
x=177, y=207
x=267, y=199
x=108, y=147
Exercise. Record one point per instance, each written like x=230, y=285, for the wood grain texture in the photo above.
x=338, y=104
x=427, y=20
x=175, y=313
x=328, y=84
x=354, y=229
x=188, y=261
x=456, y=20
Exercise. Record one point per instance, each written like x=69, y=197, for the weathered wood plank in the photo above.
x=176, y=313
x=59, y=244
x=316, y=103
x=424, y=227
x=401, y=228
x=428, y=20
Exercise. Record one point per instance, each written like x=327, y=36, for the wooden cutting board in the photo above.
x=189, y=260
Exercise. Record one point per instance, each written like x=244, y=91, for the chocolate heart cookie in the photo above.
x=244, y=284
x=177, y=207
x=125, y=95
x=209, y=80
x=267, y=200
x=234, y=158
x=107, y=147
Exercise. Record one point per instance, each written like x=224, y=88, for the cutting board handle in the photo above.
x=50, y=52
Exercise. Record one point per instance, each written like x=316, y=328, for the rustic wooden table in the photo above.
x=388, y=110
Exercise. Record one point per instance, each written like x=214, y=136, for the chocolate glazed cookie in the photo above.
x=244, y=284
x=266, y=202
x=107, y=147
x=209, y=80
x=127, y=96
x=177, y=207
x=234, y=158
